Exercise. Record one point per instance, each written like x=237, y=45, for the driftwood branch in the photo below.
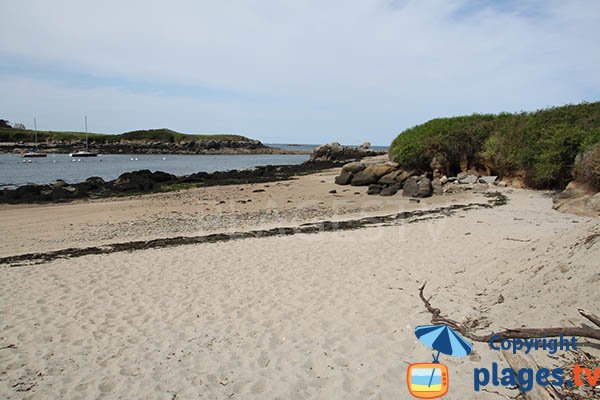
x=538, y=392
x=594, y=319
x=516, y=333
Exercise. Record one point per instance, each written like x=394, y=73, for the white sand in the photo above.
x=326, y=316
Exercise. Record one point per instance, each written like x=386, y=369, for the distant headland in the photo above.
x=151, y=141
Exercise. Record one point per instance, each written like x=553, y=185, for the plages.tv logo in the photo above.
x=430, y=380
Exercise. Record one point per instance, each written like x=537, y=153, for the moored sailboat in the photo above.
x=33, y=153
x=86, y=153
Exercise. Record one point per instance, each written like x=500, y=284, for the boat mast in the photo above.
x=35, y=132
x=86, y=134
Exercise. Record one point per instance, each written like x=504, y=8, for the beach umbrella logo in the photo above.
x=431, y=380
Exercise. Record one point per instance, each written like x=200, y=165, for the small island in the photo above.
x=151, y=141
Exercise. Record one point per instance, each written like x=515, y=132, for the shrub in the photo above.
x=541, y=145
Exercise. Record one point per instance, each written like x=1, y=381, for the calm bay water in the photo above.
x=14, y=172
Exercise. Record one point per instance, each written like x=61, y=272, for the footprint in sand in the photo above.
x=258, y=387
x=106, y=386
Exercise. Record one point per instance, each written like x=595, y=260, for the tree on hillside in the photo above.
x=4, y=124
x=19, y=125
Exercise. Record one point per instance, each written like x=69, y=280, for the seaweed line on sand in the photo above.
x=496, y=199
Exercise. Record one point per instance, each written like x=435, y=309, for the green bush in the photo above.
x=542, y=145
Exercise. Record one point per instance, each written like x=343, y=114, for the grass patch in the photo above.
x=178, y=186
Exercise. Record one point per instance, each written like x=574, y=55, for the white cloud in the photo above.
x=331, y=70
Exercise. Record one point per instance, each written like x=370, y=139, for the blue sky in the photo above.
x=291, y=71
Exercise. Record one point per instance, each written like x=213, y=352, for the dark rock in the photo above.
x=195, y=177
x=160, y=176
x=136, y=181
x=258, y=190
x=374, y=189
x=8, y=195
x=142, y=180
x=390, y=190
x=61, y=193
x=96, y=181
x=344, y=178
x=28, y=192
x=414, y=200
x=333, y=191
x=425, y=189
x=411, y=187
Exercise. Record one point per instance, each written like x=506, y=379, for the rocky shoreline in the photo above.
x=150, y=147
x=386, y=178
x=336, y=152
x=146, y=181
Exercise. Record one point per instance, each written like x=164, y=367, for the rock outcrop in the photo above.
x=411, y=187
x=336, y=152
x=577, y=199
x=372, y=173
x=344, y=178
x=389, y=178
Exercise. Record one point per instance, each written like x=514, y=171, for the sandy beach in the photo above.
x=309, y=316
x=43, y=227
x=300, y=200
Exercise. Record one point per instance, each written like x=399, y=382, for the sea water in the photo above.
x=16, y=171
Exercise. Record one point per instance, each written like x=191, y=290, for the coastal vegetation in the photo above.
x=540, y=147
x=8, y=134
x=151, y=141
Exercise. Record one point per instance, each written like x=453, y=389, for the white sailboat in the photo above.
x=33, y=153
x=85, y=153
